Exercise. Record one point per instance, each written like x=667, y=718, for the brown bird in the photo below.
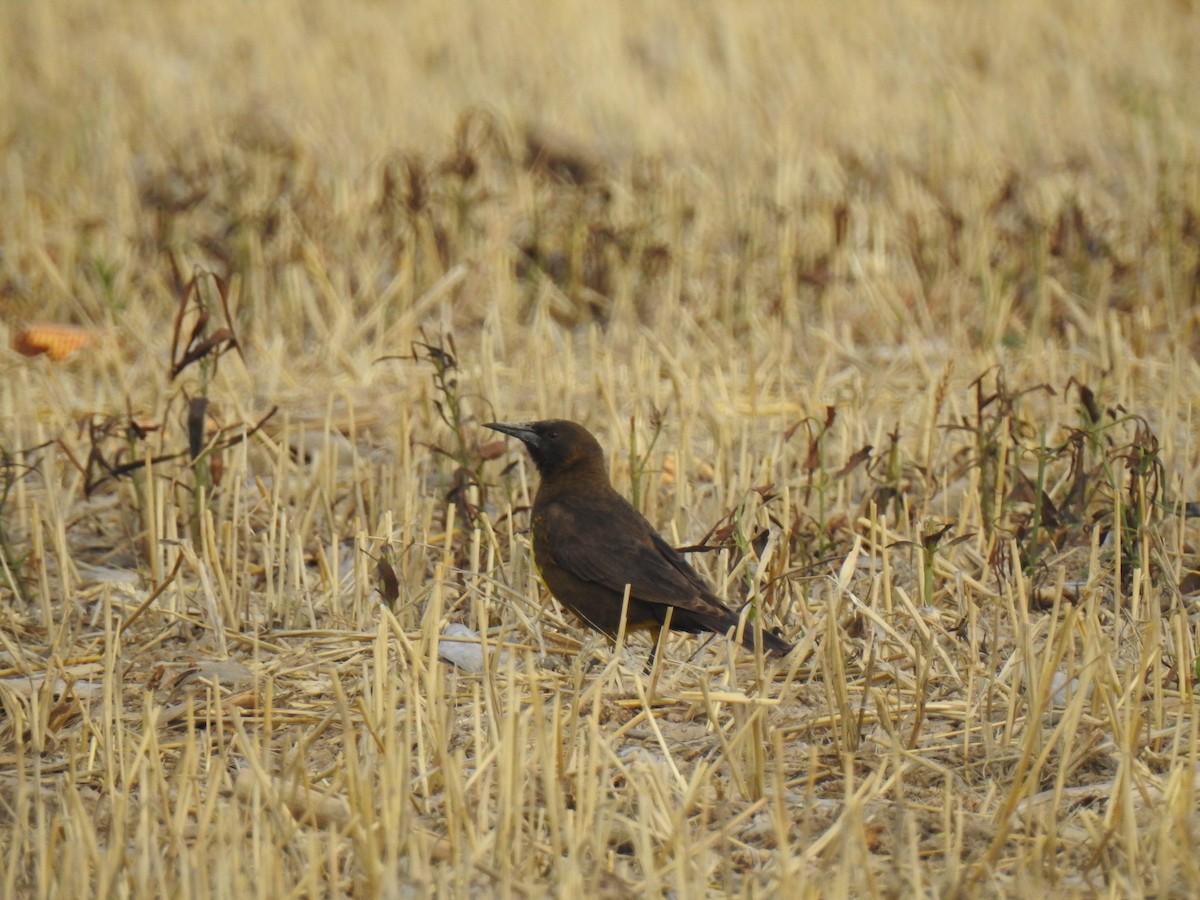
x=589, y=543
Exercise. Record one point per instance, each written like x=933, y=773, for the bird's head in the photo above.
x=556, y=445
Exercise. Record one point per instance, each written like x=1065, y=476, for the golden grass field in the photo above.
x=893, y=307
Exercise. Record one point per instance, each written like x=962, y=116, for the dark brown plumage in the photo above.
x=589, y=542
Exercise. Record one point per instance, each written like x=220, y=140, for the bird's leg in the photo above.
x=652, y=655
x=658, y=639
x=619, y=637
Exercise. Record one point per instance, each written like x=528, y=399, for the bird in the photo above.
x=589, y=543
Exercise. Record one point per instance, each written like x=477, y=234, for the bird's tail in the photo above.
x=771, y=642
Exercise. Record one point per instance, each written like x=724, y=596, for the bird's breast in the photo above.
x=539, y=532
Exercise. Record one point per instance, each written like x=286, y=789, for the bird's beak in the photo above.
x=522, y=433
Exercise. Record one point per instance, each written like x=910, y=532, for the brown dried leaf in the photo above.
x=857, y=458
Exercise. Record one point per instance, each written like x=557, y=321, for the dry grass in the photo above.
x=741, y=242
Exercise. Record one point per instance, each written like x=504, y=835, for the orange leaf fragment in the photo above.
x=56, y=341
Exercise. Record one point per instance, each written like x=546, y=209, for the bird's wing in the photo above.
x=635, y=555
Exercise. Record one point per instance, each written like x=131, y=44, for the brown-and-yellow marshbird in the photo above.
x=589, y=543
